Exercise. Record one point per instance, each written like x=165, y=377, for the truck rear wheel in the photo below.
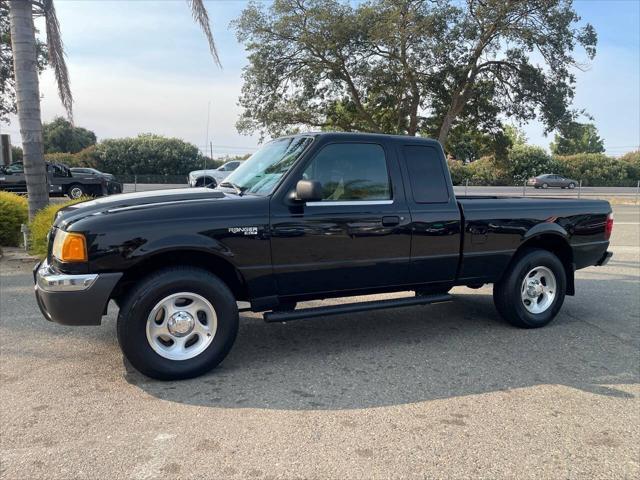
x=532, y=290
x=75, y=191
x=177, y=323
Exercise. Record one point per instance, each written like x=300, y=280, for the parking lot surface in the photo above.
x=444, y=391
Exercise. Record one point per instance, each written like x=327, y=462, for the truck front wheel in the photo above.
x=532, y=290
x=177, y=323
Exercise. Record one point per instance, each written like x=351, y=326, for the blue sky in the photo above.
x=144, y=66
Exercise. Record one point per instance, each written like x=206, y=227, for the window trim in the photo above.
x=346, y=203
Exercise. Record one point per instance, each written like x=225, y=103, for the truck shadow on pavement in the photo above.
x=410, y=355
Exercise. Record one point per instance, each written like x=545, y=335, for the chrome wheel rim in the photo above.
x=76, y=192
x=181, y=326
x=538, y=290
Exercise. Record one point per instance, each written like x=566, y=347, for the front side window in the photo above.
x=260, y=174
x=351, y=172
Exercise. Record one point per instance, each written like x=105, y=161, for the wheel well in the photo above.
x=216, y=265
x=560, y=248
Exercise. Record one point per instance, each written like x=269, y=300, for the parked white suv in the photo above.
x=211, y=178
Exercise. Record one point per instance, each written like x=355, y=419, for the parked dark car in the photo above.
x=552, y=180
x=113, y=185
x=310, y=216
x=61, y=181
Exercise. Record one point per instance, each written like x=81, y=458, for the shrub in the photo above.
x=147, y=154
x=14, y=211
x=486, y=171
x=41, y=224
x=631, y=161
x=525, y=161
x=594, y=169
x=66, y=158
x=459, y=172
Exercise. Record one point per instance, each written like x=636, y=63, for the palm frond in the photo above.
x=57, y=56
x=200, y=15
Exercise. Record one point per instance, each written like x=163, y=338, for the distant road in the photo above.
x=460, y=190
x=551, y=192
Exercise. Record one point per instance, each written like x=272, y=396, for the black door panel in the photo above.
x=339, y=248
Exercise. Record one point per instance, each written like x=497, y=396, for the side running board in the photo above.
x=355, y=307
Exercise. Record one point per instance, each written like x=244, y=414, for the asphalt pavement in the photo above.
x=442, y=391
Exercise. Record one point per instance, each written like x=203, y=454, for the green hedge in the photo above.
x=14, y=211
x=146, y=154
x=525, y=161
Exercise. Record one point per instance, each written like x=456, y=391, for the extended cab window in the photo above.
x=351, y=172
x=428, y=181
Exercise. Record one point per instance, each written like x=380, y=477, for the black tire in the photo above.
x=571, y=186
x=76, y=190
x=140, y=301
x=545, y=185
x=507, y=291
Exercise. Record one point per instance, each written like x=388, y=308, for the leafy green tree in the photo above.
x=515, y=135
x=147, y=154
x=16, y=154
x=60, y=136
x=577, y=138
x=408, y=66
x=469, y=144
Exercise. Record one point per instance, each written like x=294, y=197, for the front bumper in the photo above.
x=72, y=299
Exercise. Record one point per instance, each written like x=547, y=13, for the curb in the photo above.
x=14, y=254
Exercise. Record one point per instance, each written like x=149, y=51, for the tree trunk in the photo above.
x=447, y=122
x=23, y=44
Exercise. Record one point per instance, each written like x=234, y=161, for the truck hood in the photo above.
x=130, y=201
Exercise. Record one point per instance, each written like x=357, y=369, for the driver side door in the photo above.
x=356, y=237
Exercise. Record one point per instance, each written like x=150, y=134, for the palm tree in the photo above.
x=23, y=45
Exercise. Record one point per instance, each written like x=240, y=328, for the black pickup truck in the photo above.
x=61, y=181
x=309, y=216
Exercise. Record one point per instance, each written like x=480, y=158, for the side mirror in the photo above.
x=308, y=191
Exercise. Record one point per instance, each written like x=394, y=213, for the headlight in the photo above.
x=69, y=247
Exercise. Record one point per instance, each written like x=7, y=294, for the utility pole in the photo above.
x=211, y=150
x=207, y=140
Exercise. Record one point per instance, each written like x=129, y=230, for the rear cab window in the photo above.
x=426, y=175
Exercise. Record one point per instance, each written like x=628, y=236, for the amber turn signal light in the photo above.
x=69, y=247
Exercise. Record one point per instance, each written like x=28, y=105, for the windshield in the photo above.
x=260, y=173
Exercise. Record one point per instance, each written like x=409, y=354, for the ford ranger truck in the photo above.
x=307, y=217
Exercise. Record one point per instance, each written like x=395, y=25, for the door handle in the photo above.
x=390, y=221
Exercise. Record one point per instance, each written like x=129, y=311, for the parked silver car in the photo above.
x=552, y=180
x=211, y=178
